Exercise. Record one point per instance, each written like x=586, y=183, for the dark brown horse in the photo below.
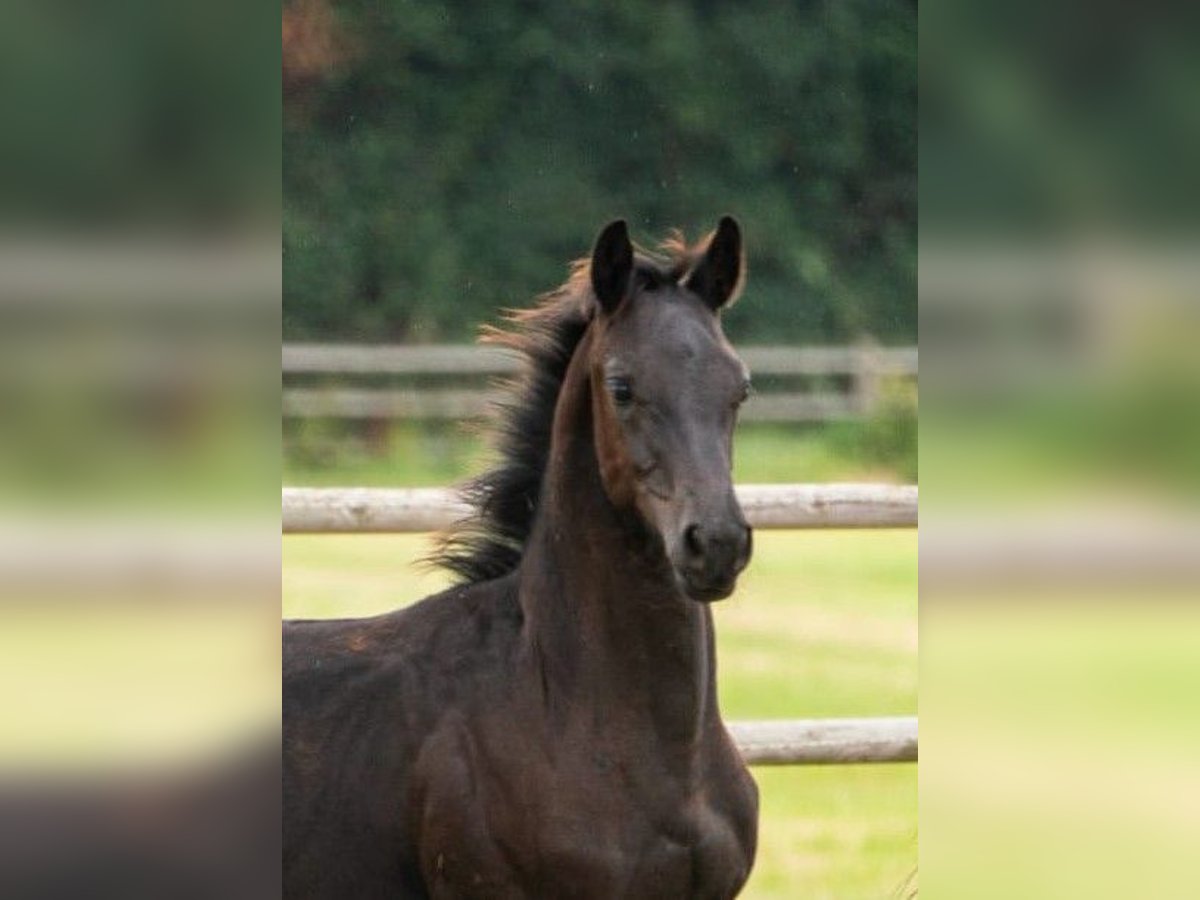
x=549, y=727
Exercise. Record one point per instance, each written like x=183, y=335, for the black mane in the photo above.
x=489, y=542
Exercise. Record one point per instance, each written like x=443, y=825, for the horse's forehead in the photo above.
x=675, y=323
x=674, y=329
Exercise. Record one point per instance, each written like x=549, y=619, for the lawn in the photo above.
x=824, y=624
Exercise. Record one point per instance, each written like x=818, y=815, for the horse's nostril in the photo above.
x=691, y=540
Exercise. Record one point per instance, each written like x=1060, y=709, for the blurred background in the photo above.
x=444, y=162
x=1060, y=444
x=139, y=449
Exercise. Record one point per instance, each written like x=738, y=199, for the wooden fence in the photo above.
x=774, y=742
x=365, y=510
x=847, y=380
x=788, y=742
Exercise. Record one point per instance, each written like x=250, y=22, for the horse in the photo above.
x=549, y=726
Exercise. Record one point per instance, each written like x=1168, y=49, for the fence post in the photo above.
x=865, y=386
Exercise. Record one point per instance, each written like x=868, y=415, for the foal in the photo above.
x=549, y=727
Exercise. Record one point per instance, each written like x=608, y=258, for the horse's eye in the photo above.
x=622, y=392
x=747, y=390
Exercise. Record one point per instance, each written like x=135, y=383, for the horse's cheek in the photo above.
x=616, y=470
x=618, y=484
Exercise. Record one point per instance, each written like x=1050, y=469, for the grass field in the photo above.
x=824, y=624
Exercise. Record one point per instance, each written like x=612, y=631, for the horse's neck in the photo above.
x=610, y=632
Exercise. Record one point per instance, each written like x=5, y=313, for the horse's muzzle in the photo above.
x=711, y=557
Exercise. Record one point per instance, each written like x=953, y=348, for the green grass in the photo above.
x=824, y=624
x=1060, y=742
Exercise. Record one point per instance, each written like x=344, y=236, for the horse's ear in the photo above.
x=717, y=277
x=612, y=264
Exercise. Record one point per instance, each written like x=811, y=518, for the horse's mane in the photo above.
x=504, y=500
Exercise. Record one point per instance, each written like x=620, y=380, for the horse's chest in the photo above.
x=690, y=850
x=602, y=842
x=595, y=823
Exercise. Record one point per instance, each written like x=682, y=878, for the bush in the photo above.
x=887, y=438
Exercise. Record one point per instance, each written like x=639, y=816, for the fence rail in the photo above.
x=470, y=359
x=384, y=510
x=863, y=365
x=783, y=742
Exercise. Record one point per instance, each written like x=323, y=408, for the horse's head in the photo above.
x=666, y=387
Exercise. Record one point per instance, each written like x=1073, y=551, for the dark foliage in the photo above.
x=440, y=159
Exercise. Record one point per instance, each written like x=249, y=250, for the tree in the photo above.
x=442, y=161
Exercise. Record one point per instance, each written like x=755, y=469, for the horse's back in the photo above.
x=360, y=697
